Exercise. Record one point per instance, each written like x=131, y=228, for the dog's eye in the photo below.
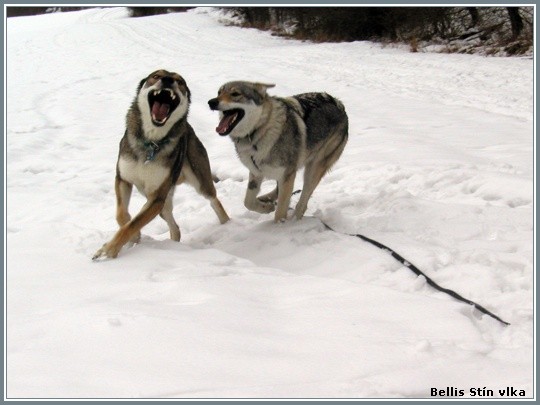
x=235, y=94
x=155, y=77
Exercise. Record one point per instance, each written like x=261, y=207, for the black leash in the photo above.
x=418, y=272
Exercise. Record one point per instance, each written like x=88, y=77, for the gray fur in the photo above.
x=275, y=137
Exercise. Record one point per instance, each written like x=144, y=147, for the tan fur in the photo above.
x=157, y=177
x=131, y=230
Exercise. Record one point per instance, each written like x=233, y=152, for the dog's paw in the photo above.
x=261, y=207
x=280, y=220
x=265, y=207
x=107, y=251
x=265, y=199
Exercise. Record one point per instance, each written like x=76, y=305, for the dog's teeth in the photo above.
x=173, y=96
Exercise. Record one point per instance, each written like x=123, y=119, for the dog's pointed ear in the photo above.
x=262, y=87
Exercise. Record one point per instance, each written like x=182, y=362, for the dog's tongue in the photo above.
x=160, y=111
x=225, y=123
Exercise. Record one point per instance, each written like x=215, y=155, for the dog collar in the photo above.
x=153, y=147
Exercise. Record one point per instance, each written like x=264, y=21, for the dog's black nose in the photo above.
x=213, y=103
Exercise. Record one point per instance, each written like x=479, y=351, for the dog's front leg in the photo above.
x=128, y=231
x=251, y=202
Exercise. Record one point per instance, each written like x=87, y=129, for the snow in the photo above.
x=439, y=167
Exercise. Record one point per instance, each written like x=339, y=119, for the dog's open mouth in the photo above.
x=230, y=119
x=162, y=104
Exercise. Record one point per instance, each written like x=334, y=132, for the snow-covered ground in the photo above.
x=439, y=166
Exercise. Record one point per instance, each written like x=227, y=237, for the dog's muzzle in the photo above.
x=229, y=119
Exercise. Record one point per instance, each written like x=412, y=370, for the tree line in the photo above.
x=462, y=29
x=390, y=23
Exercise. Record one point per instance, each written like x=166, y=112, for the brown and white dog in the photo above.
x=158, y=151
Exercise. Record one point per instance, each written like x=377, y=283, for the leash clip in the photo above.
x=151, y=149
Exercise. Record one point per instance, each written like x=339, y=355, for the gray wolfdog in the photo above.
x=158, y=151
x=275, y=137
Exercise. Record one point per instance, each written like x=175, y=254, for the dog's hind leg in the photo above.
x=316, y=169
x=313, y=174
x=200, y=178
x=285, y=186
x=123, y=191
x=167, y=215
x=219, y=210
